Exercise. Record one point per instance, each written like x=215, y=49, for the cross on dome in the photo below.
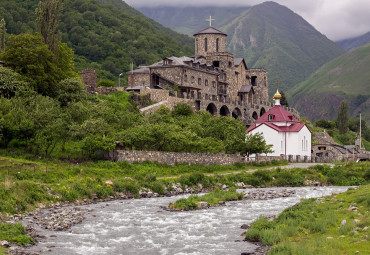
x=210, y=20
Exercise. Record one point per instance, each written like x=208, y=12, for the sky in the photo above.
x=337, y=19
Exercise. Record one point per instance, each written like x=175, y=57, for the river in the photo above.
x=140, y=226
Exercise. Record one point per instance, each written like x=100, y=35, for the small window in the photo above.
x=192, y=79
x=205, y=44
x=185, y=78
x=199, y=81
x=206, y=82
x=254, y=81
x=230, y=64
x=271, y=117
x=214, y=84
x=217, y=40
x=216, y=63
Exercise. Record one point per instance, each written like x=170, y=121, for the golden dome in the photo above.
x=277, y=95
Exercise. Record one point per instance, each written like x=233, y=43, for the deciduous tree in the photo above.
x=342, y=117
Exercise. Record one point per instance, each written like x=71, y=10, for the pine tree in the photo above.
x=2, y=34
x=47, y=18
x=342, y=117
x=284, y=100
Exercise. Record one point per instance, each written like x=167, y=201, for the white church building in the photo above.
x=281, y=129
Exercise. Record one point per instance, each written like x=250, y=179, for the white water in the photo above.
x=140, y=227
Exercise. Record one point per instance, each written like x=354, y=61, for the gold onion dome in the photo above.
x=277, y=95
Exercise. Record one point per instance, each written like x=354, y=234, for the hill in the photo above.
x=353, y=43
x=346, y=77
x=106, y=35
x=268, y=35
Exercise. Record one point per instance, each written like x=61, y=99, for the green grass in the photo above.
x=305, y=228
x=212, y=198
x=14, y=233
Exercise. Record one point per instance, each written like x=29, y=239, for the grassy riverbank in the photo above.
x=211, y=199
x=316, y=226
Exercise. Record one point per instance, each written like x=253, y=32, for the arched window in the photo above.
x=217, y=40
x=192, y=79
x=206, y=82
x=199, y=81
x=205, y=44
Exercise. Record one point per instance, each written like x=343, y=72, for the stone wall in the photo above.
x=261, y=85
x=107, y=90
x=140, y=79
x=90, y=79
x=172, y=158
x=211, y=43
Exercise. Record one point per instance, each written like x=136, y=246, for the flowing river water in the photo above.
x=140, y=226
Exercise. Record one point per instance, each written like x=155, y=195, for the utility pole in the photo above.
x=119, y=79
x=132, y=74
x=360, y=132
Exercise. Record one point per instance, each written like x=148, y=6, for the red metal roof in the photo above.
x=296, y=127
x=278, y=114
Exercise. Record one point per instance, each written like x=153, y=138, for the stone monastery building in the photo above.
x=211, y=80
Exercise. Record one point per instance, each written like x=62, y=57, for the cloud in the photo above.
x=337, y=19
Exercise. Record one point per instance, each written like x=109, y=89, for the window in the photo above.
x=214, y=84
x=206, y=82
x=254, y=80
x=216, y=63
x=199, y=81
x=302, y=145
x=185, y=78
x=230, y=64
x=271, y=117
x=205, y=44
x=192, y=79
x=217, y=40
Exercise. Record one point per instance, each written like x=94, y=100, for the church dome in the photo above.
x=277, y=95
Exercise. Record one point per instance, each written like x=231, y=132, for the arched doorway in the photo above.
x=255, y=115
x=263, y=111
x=236, y=113
x=211, y=108
x=224, y=111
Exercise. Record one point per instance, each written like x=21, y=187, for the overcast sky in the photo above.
x=337, y=19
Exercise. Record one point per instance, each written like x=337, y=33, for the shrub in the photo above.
x=106, y=83
x=182, y=109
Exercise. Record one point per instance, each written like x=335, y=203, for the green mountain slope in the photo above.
x=106, y=35
x=268, y=35
x=353, y=43
x=346, y=77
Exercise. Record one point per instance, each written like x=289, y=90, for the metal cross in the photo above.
x=210, y=20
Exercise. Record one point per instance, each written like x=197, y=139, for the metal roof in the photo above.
x=210, y=30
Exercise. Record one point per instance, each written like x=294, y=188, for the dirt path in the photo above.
x=291, y=165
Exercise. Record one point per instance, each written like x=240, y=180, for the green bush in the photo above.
x=106, y=83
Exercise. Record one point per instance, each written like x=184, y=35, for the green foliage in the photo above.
x=14, y=233
x=2, y=34
x=325, y=124
x=106, y=83
x=304, y=228
x=212, y=198
x=10, y=82
x=70, y=90
x=182, y=109
x=284, y=100
x=255, y=143
x=91, y=144
x=342, y=117
x=47, y=18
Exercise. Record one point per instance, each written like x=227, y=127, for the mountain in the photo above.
x=106, y=35
x=268, y=35
x=353, y=43
x=344, y=78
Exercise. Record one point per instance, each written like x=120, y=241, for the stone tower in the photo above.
x=209, y=40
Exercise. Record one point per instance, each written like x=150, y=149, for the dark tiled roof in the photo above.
x=210, y=30
x=279, y=115
x=141, y=69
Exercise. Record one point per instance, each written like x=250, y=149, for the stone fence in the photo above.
x=172, y=158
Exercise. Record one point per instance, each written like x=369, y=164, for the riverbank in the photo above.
x=141, y=226
x=338, y=224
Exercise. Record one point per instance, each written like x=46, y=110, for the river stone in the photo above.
x=202, y=205
x=4, y=244
x=244, y=226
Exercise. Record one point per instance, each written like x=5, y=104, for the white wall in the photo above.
x=293, y=141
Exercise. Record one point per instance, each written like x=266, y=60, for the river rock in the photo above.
x=202, y=205
x=244, y=226
x=4, y=244
x=267, y=194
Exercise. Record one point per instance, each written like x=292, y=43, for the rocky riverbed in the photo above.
x=139, y=226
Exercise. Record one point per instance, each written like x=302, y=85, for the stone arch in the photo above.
x=263, y=111
x=236, y=113
x=255, y=115
x=224, y=111
x=212, y=109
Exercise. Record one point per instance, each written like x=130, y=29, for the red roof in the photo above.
x=296, y=127
x=277, y=114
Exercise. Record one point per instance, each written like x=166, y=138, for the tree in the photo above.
x=70, y=90
x=10, y=82
x=29, y=56
x=342, y=117
x=182, y=109
x=47, y=19
x=284, y=100
x=2, y=34
x=255, y=143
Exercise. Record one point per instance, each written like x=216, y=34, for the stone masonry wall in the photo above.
x=90, y=79
x=140, y=79
x=172, y=158
x=211, y=43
